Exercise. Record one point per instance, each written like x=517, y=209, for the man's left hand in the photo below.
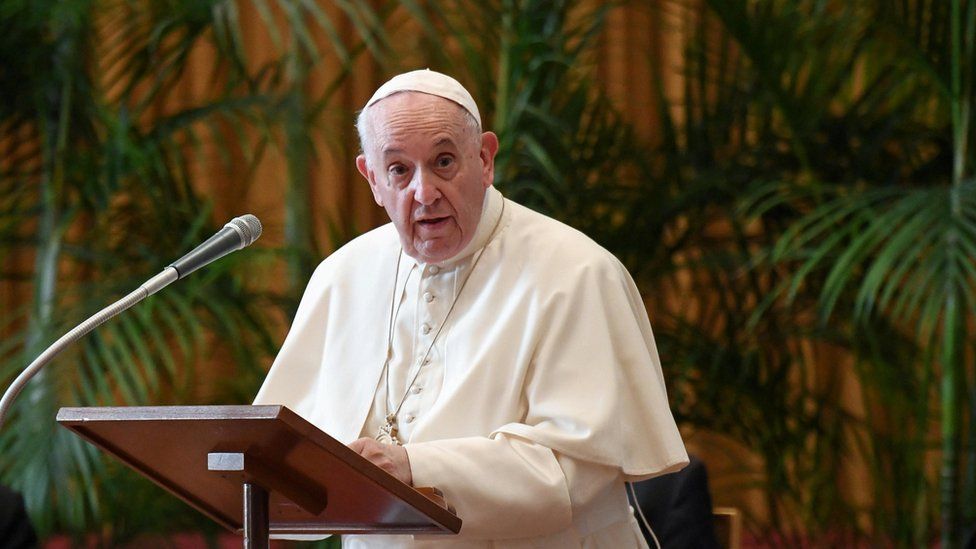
x=391, y=458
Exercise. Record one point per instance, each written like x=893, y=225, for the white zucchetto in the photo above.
x=429, y=82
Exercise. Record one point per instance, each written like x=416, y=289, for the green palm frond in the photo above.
x=874, y=241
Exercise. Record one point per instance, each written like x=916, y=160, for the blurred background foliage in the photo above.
x=801, y=221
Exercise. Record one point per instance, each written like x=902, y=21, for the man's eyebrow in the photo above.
x=438, y=143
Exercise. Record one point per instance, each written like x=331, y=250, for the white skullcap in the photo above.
x=430, y=82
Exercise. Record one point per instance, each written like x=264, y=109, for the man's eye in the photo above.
x=445, y=161
x=397, y=170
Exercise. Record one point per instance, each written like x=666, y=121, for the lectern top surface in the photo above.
x=317, y=484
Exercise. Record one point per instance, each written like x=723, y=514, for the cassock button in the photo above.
x=409, y=418
x=416, y=390
x=428, y=297
x=434, y=269
x=425, y=329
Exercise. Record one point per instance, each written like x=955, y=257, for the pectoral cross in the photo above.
x=387, y=433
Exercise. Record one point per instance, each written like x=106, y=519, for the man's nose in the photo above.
x=426, y=191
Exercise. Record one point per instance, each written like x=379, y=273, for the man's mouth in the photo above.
x=432, y=222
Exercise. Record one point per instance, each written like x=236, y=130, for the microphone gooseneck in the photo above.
x=239, y=232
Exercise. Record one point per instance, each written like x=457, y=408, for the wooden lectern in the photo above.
x=292, y=477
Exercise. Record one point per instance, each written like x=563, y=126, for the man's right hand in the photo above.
x=389, y=457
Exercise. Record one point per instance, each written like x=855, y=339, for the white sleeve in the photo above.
x=596, y=390
x=507, y=487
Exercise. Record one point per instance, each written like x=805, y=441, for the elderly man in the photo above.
x=477, y=346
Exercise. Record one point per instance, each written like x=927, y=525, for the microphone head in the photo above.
x=248, y=226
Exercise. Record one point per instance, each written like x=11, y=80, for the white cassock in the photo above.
x=541, y=396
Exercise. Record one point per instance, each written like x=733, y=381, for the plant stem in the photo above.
x=55, y=108
x=953, y=325
x=951, y=359
x=298, y=225
x=503, y=93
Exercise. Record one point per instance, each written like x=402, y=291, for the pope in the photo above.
x=475, y=345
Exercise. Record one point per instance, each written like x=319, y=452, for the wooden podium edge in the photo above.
x=426, y=500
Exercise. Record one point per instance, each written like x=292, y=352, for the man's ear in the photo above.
x=489, y=147
x=363, y=168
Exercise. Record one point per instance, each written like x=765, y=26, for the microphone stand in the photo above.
x=237, y=233
x=148, y=288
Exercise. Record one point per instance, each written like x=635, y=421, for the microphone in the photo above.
x=239, y=232
x=236, y=234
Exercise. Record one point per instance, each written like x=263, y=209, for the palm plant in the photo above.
x=817, y=137
x=906, y=248
x=100, y=187
x=747, y=379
